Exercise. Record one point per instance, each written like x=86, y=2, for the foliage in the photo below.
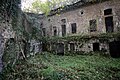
x=85, y=38
x=11, y=13
x=54, y=67
x=45, y=7
x=56, y=6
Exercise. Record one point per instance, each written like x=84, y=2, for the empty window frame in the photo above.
x=108, y=11
x=109, y=24
x=72, y=47
x=60, y=49
x=41, y=24
x=54, y=31
x=74, y=28
x=93, y=25
x=96, y=47
x=44, y=31
x=63, y=20
x=63, y=30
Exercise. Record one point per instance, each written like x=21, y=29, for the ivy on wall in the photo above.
x=85, y=38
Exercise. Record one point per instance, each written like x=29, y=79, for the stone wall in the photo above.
x=6, y=32
x=81, y=17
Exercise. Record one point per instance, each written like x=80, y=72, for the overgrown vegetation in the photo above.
x=81, y=38
x=53, y=67
x=48, y=66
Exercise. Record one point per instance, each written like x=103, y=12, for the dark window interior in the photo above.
x=107, y=11
x=44, y=31
x=44, y=47
x=82, y=12
x=41, y=25
x=93, y=25
x=73, y=26
x=33, y=49
x=60, y=49
x=63, y=20
x=48, y=19
x=109, y=24
x=96, y=47
x=114, y=49
x=55, y=31
x=72, y=46
x=63, y=30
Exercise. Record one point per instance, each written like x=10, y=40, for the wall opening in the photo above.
x=108, y=11
x=44, y=47
x=96, y=47
x=24, y=47
x=93, y=25
x=109, y=24
x=114, y=48
x=74, y=28
x=44, y=31
x=54, y=31
x=72, y=47
x=63, y=21
x=60, y=49
x=63, y=30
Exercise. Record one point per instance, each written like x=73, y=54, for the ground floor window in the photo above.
x=72, y=47
x=96, y=47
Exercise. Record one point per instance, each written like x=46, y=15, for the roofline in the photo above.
x=74, y=6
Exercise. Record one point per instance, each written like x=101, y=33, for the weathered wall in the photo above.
x=81, y=17
x=6, y=32
x=94, y=11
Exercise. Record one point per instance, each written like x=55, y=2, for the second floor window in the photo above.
x=74, y=27
x=55, y=31
x=63, y=30
x=93, y=25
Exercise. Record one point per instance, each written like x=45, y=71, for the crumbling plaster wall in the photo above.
x=81, y=17
x=93, y=11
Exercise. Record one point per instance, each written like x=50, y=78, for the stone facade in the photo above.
x=92, y=19
x=82, y=17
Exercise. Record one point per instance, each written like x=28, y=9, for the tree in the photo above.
x=39, y=6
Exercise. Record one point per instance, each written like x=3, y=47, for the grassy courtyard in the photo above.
x=79, y=67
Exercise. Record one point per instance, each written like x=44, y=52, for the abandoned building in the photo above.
x=99, y=21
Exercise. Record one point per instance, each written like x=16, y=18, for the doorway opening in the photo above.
x=44, y=47
x=114, y=48
x=72, y=47
x=60, y=49
x=96, y=47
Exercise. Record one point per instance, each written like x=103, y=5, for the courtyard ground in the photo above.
x=78, y=67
